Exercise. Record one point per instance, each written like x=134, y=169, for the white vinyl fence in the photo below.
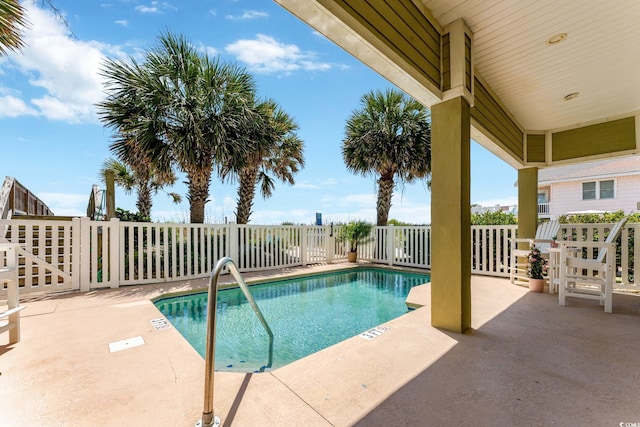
x=491, y=249
x=82, y=254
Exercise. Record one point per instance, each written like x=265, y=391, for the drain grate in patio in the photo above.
x=125, y=344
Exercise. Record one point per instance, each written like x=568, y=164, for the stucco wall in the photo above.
x=567, y=197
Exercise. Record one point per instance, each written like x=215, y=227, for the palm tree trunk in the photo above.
x=144, y=200
x=385, y=191
x=198, y=193
x=246, y=194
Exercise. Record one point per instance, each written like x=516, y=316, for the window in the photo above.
x=542, y=197
x=594, y=190
x=606, y=189
x=589, y=190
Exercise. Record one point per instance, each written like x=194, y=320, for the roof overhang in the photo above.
x=555, y=82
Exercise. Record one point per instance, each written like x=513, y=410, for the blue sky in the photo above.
x=53, y=143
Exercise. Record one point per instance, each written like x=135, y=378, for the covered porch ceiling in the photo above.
x=555, y=81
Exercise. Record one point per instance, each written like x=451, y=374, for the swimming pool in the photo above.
x=306, y=314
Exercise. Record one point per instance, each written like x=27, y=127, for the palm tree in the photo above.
x=181, y=108
x=145, y=180
x=275, y=152
x=12, y=21
x=389, y=137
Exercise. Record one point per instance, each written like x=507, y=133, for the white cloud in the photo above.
x=247, y=14
x=306, y=185
x=154, y=7
x=54, y=109
x=15, y=107
x=358, y=200
x=208, y=50
x=264, y=54
x=329, y=182
x=63, y=70
x=122, y=22
x=147, y=9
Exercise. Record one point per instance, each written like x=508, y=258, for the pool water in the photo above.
x=305, y=314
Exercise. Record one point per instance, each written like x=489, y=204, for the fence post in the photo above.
x=76, y=253
x=114, y=253
x=391, y=244
x=329, y=243
x=85, y=254
x=303, y=245
x=234, y=251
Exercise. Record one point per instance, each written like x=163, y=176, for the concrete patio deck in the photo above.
x=527, y=361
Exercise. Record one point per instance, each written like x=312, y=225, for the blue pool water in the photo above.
x=305, y=314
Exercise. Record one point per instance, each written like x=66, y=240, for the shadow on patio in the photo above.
x=535, y=363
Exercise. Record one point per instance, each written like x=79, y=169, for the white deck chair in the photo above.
x=544, y=236
x=582, y=276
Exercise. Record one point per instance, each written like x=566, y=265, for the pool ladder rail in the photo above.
x=208, y=417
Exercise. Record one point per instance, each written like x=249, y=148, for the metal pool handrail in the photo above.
x=208, y=417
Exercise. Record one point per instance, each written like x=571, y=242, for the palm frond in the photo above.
x=12, y=24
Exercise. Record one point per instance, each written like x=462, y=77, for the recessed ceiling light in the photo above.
x=571, y=96
x=557, y=38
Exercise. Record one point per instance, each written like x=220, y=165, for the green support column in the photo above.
x=527, y=202
x=451, y=216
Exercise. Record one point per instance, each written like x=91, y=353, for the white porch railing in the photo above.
x=82, y=254
x=491, y=249
x=543, y=208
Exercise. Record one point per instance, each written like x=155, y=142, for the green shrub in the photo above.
x=124, y=215
x=493, y=218
x=355, y=233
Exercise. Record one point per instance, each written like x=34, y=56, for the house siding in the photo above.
x=567, y=196
x=489, y=114
x=536, y=148
x=603, y=138
x=403, y=28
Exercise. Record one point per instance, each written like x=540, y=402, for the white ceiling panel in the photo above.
x=600, y=58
